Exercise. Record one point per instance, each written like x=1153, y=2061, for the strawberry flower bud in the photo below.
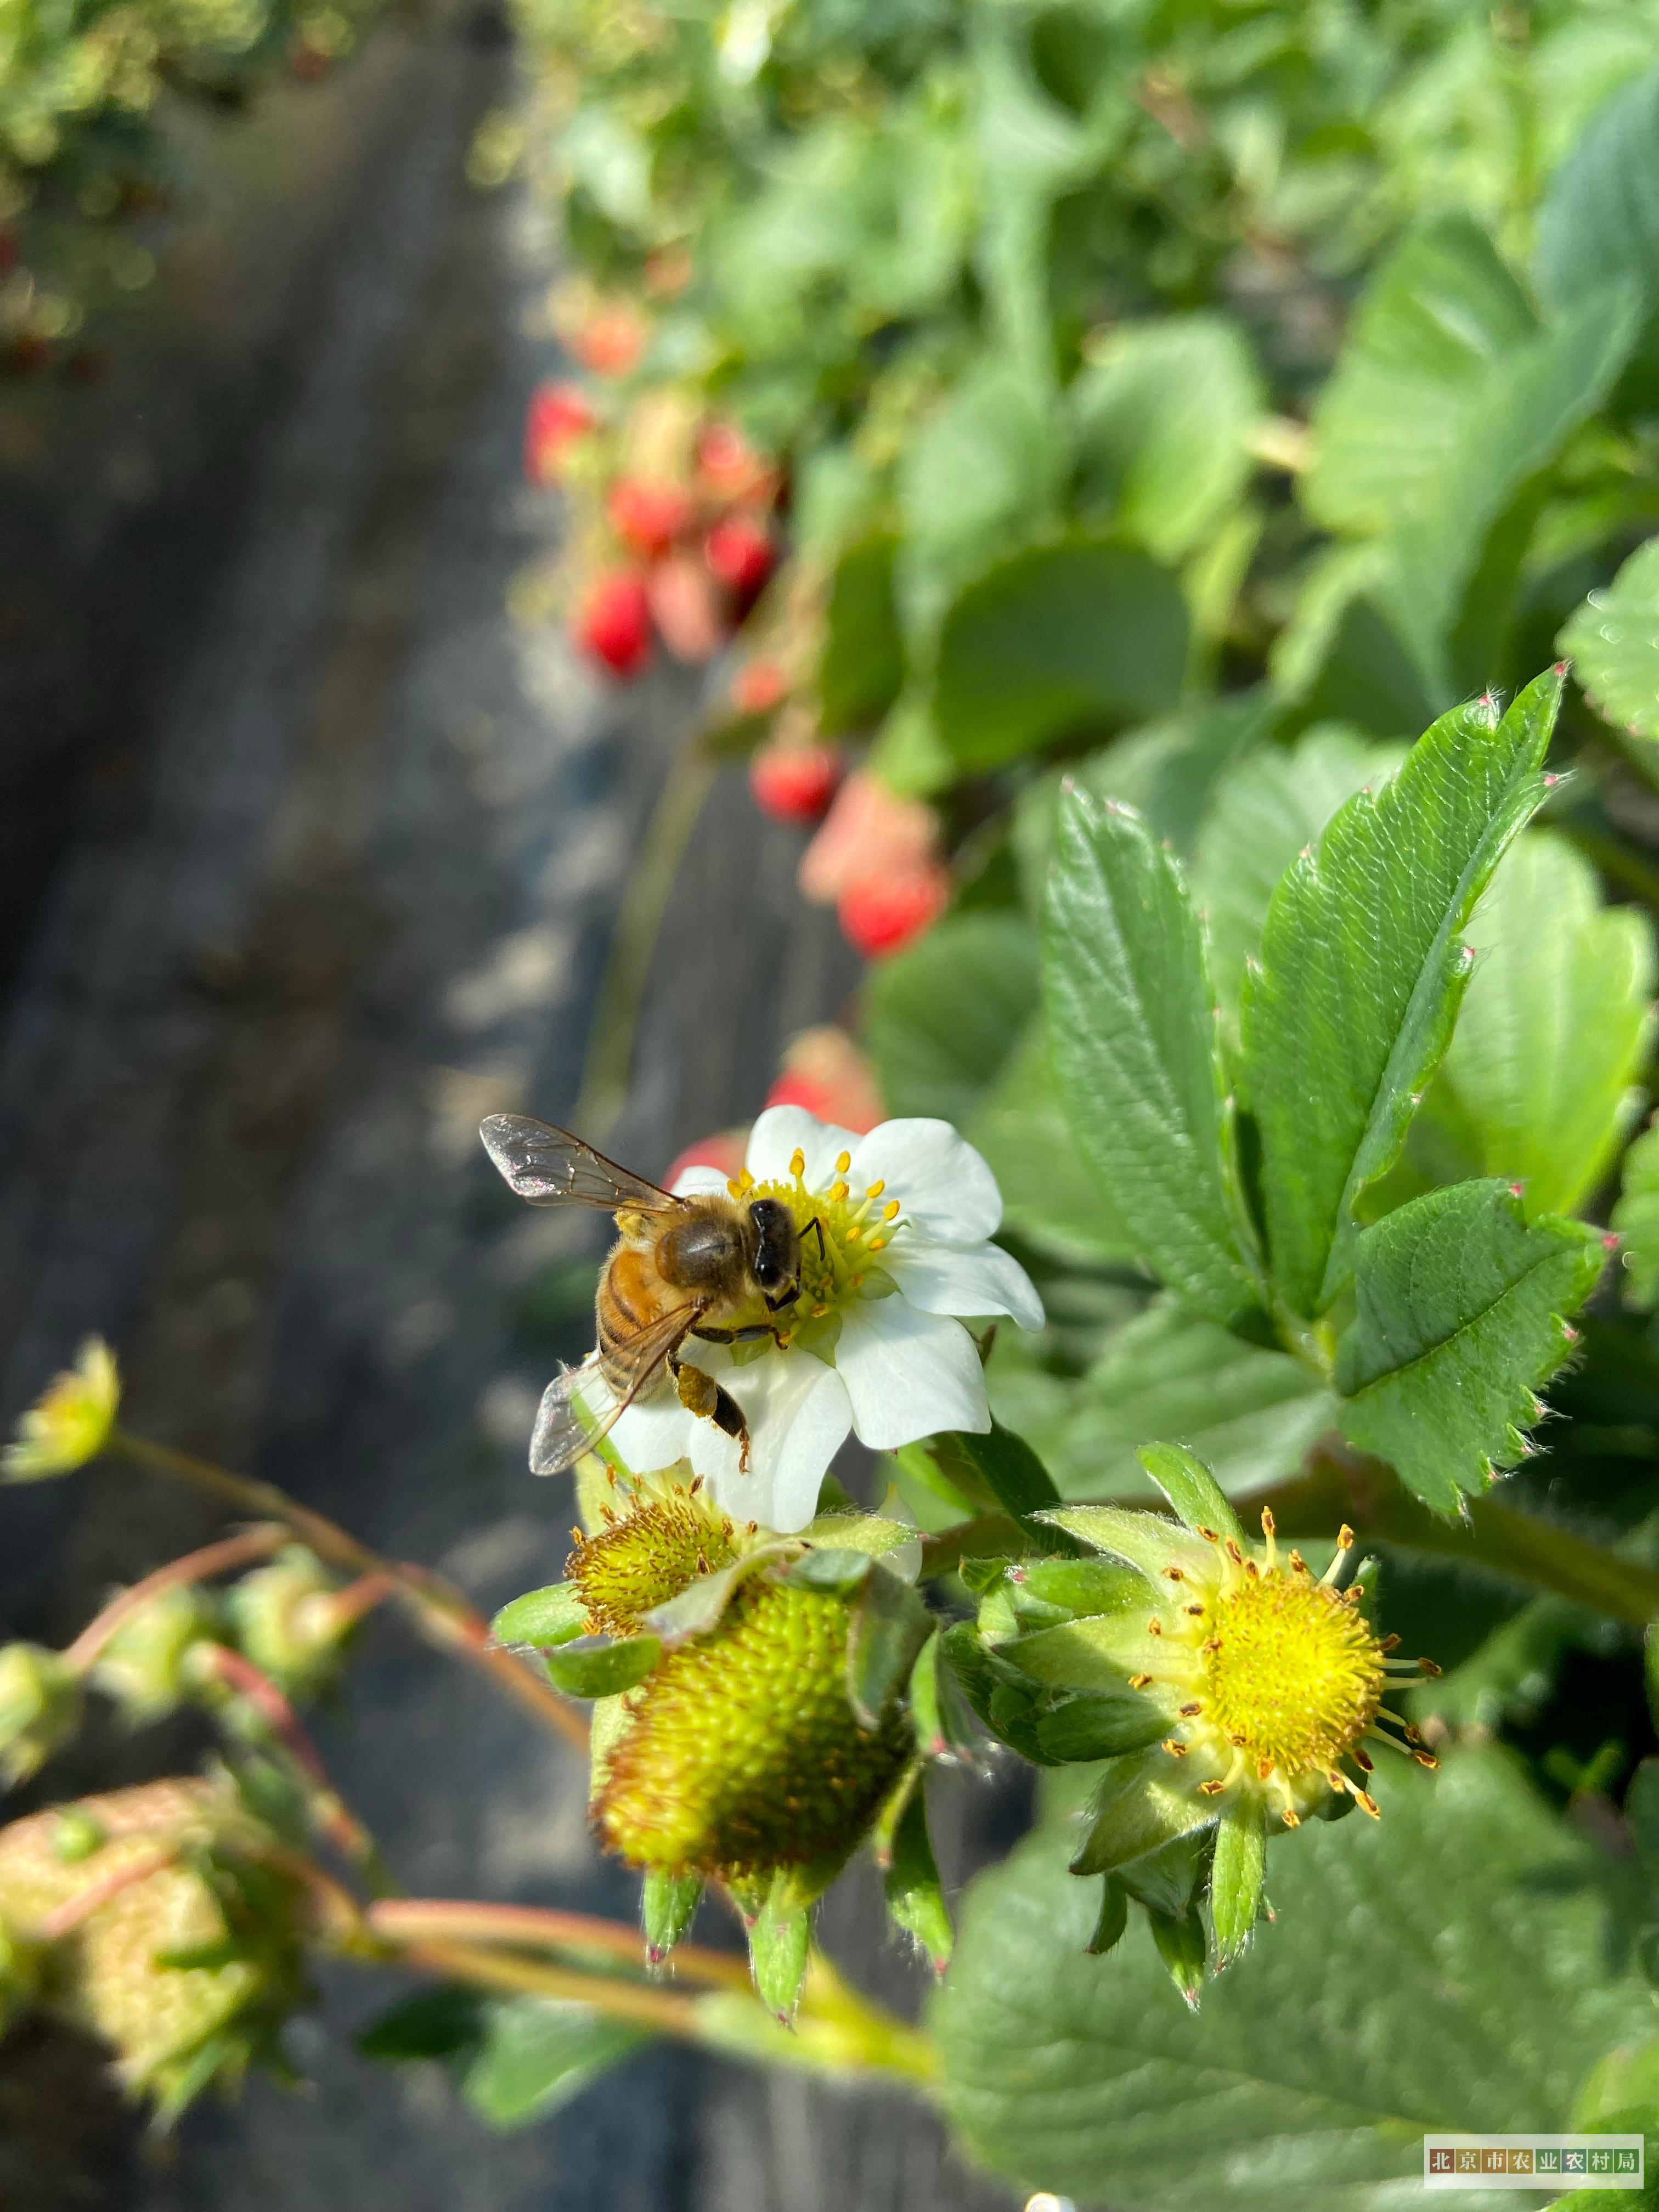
x=40, y=1709
x=146, y=1666
x=288, y=1619
x=70, y=1422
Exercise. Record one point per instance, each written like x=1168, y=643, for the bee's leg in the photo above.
x=701, y=1395
x=748, y=1334
x=816, y=1226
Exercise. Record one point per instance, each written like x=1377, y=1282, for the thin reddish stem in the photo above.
x=400, y=1918
x=64, y=1918
x=437, y=1607
x=194, y=1567
x=334, y=1816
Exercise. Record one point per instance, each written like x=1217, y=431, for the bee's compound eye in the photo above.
x=774, y=1243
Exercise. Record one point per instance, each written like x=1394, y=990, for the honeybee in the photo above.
x=680, y=1268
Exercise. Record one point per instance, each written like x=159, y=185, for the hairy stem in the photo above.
x=436, y=1606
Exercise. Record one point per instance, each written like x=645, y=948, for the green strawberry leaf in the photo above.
x=1600, y=220
x=1613, y=640
x=942, y=1017
x=1460, y=1317
x=1083, y=635
x=1441, y=313
x=1248, y=1412
x=1636, y=1218
x=1162, y=413
x=1363, y=966
x=1555, y=1027
x=1134, y=1043
x=1432, y=1971
x=535, y=2054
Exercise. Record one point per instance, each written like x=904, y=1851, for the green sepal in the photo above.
x=1135, y=1811
x=780, y=1939
x=1099, y=1724
x=835, y=1571
x=668, y=1905
x=916, y=1895
x=543, y=1618
x=854, y=1530
x=1241, y=1857
x=697, y=1608
x=1079, y=1588
x=1184, y=1949
x=604, y=1670
x=1172, y=1878
x=608, y=1723
x=1004, y=1700
x=1114, y=1917
x=1191, y=1488
x=884, y=1636
x=1098, y=1653
x=979, y=1576
x=1145, y=1541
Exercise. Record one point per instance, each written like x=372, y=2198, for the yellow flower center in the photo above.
x=843, y=1233
x=1294, y=1676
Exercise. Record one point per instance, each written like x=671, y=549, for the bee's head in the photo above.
x=776, y=1261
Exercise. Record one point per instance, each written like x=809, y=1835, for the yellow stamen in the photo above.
x=843, y=1161
x=798, y=1162
x=875, y=1190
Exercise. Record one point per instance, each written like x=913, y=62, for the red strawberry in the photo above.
x=879, y=915
x=559, y=418
x=614, y=621
x=740, y=553
x=649, y=516
x=794, y=782
x=728, y=467
x=685, y=609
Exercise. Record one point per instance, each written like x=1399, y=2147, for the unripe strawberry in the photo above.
x=828, y=1074
x=136, y=1858
x=649, y=516
x=740, y=553
x=39, y=1708
x=742, y=1753
x=614, y=621
x=611, y=341
x=881, y=914
x=758, y=687
x=559, y=417
x=728, y=467
x=794, y=782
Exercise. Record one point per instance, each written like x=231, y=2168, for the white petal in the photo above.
x=781, y=1131
x=698, y=1179
x=798, y=1415
x=962, y=1279
x=909, y=1373
x=654, y=1431
x=945, y=1187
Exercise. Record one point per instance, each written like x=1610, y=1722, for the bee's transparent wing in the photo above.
x=580, y=1407
x=549, y=1167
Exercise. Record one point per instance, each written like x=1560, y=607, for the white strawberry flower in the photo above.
x=873, y=1346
